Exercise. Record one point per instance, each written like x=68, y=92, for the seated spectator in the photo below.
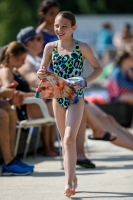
x=34, y=43
x=129, y=49
x=46, y=17
x=8, y=120
x=119, y=83
x=120, y=86
x=104, y=39
x=102, y=123
x=124, y=37
x=13, y=57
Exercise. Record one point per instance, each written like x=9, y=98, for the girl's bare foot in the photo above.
x=69, y=191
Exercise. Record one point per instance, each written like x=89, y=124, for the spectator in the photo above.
x=129, y=49
x=120, y=86
x=47, y=13
x=124, y=37
x=104, y=40
x=8, y=120
x=29, y=37
x=34, y=43
x=101, y=123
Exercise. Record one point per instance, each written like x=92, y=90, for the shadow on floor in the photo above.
x=115, y=158
x=106, y=168
x=114, y=195
x=57, y=174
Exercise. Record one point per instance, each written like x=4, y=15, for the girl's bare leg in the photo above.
x=81, y=138
x=68, y=133
x=73, y=119
x=60, y=117
x=101, y=123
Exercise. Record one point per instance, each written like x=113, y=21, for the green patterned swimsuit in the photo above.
x=67, y=66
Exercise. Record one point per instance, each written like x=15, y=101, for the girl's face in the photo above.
x=51, y=14
x=63, y=28
x=17, y=61
x=127, y=62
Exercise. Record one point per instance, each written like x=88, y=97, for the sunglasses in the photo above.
x=38, y=38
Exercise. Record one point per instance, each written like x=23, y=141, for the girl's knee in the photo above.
x=69, y=141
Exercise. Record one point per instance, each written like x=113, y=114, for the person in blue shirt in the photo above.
x=47, y=13
x=104, y=40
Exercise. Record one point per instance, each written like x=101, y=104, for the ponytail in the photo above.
x=3, y=57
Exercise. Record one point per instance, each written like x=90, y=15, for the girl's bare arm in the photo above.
x=90, y=57
x=46, y=60
x=6, y=77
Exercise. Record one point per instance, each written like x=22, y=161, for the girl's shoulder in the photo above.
x=5, y=70
x=39, y=28
x=83, y=45
x=49, y=46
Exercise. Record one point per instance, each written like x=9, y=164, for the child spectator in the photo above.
x=124, y=37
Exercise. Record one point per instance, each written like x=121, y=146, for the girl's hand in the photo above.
x=7, y=93
x=17, y=99
x=14, y=84
x=42, y=73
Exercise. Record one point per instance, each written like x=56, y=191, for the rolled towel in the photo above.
x=53, y=86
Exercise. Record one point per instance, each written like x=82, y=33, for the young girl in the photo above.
x=12, y=58
x=68, y=56
x=47, y=13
